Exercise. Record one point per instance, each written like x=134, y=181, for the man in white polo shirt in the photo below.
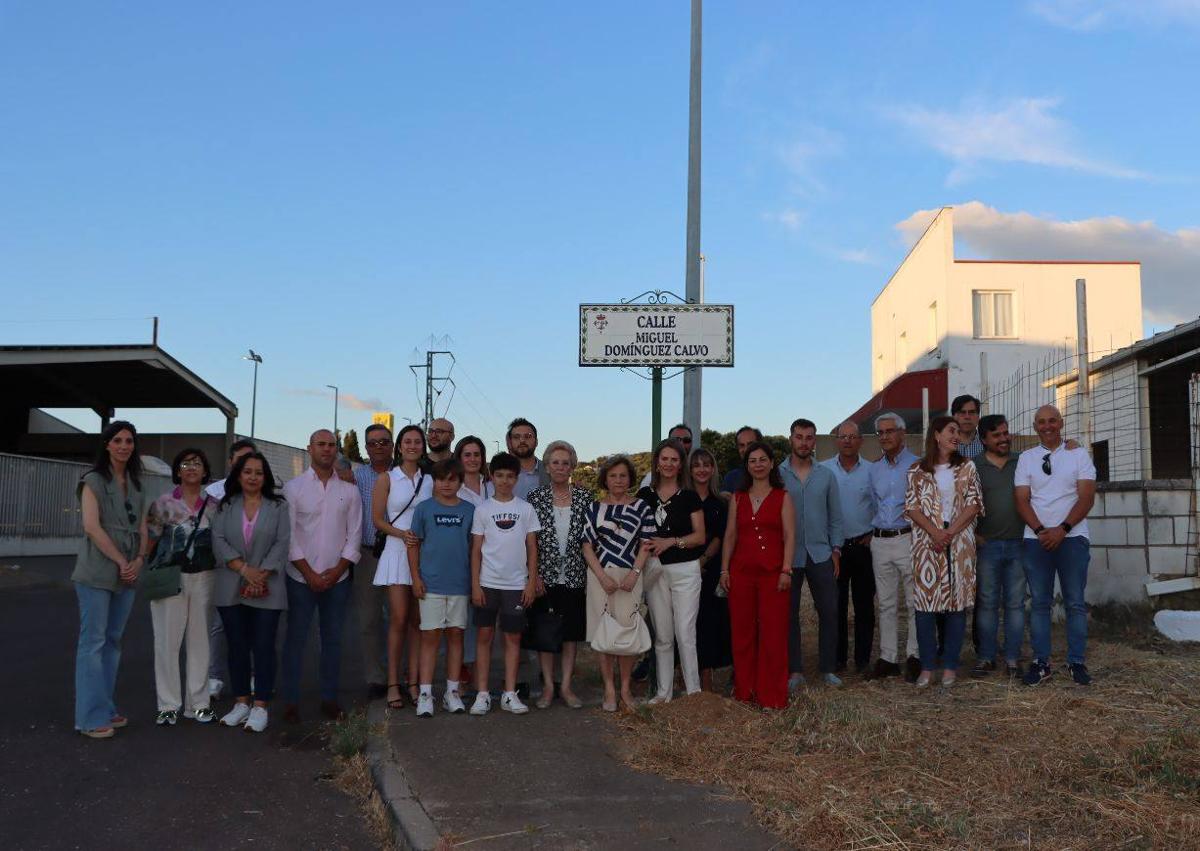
x=1055, y=488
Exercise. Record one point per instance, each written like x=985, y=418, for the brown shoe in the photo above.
x=291, y=713
x=331, y=710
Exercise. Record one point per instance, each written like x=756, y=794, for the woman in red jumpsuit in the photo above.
x=756, y=570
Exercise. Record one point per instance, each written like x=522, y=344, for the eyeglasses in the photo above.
x=849, y=436
x=129, y=512
x=191, y=464
x=379, y=442
x=441, y=431
x=1046, y=463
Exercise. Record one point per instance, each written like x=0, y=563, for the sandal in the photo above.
x=398, y=701
x=414, y=691
x=571, y=700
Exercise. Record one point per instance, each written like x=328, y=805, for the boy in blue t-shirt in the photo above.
x=441, y=580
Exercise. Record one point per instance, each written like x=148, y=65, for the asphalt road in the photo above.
x=190, y=786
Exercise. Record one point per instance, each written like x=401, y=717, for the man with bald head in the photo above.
x=440, y=441
x=326, y=519
x=856, y=576
x=1055, y=487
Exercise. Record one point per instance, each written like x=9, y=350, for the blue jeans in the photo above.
x=102, y=618
x=1070, y=563
x=927, y=639
x=250, y=632
x=1001, y=574
x=303, y=602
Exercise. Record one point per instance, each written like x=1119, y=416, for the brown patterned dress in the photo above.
x=943, y=580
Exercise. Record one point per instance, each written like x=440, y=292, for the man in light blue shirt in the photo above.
x=891, y=547
x=856, y=576
x=814, y=492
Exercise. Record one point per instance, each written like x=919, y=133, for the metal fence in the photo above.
x=38, y=501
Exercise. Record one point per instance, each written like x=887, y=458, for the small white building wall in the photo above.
x=1117, y=417
x=902, y=308
x=1044, y=311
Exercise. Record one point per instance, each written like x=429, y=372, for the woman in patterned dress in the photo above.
x=943, y=500
x=612, y=548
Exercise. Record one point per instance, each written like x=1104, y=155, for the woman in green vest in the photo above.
x=114, y=505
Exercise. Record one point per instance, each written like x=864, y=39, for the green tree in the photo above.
x=350, y=447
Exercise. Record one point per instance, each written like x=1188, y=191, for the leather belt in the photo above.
x=891, y=533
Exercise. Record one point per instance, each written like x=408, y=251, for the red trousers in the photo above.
x=758, y=616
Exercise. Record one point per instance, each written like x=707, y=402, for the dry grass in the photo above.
x=353, y=776
x=986, y=765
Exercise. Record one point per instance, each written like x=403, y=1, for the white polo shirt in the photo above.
x=1053, y=496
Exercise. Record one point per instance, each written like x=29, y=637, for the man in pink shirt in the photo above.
x=326, y=524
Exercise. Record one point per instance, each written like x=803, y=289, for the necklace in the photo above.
x=757, y=501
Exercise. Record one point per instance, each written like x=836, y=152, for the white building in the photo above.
x=938, y=312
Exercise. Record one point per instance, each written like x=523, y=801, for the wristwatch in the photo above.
x=1039, y=530
x=1066, y=527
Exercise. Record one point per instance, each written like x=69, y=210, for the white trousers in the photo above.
x=175, y=618
x=891, y=559
x=673, y=594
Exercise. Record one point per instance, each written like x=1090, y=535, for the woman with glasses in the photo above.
x=251, y=534
x=396, y=496
x=179, y=527
x=111, y=556
x=943, y=500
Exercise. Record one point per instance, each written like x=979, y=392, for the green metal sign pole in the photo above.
x=656, y=380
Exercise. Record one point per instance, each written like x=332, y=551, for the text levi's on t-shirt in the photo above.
x=504, y=527
x=1053, y=496
x=444, y=531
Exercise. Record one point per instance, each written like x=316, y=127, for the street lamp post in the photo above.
x=336, y=436
x=257, y=358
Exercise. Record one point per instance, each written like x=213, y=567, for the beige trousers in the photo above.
x=891, y=559
x=183, y=620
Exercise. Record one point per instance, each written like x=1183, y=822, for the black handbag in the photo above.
x=381, y=537
x=163, y=580
x=543, y=628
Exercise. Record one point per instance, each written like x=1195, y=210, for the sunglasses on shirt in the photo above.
x=1046, y=463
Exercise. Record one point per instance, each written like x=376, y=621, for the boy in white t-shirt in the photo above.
x=503, y=575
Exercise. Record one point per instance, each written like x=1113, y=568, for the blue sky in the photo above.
x=331, y=187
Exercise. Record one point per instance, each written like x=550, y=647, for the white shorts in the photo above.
x=443, y=611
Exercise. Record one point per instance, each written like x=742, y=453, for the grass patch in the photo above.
x=989, y=764
x=353, y=776
x=349, y=735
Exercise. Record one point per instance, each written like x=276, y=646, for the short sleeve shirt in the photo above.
x=504, y=527
x=673, y=519
x=445, y=532
x=1053, y=494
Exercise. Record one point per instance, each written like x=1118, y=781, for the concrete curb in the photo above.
x=415, y=830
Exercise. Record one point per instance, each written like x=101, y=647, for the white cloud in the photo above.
x=788, y=218
x=855, y=255
x=1089, y=15
x=348, y=400
x=1021, y=130
x=802, y=155
x=1170, y=259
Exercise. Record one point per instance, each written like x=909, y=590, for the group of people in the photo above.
x=431, y=541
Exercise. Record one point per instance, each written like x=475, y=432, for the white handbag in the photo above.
x=616, y=639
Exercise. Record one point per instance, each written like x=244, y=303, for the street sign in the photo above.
x=656, y=335
x=384, y=418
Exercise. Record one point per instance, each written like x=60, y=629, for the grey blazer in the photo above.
x=268, y=549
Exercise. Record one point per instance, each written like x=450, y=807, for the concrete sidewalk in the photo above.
x=189, y=786
x=554, y=779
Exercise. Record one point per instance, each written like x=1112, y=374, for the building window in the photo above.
x=993, y=314
x=933, y=327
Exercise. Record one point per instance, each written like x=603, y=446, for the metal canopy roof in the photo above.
x=103, y=378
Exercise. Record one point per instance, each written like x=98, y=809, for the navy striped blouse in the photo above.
x=617, y=531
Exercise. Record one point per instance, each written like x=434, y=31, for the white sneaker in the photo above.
x=237, y=716
x=511, y=703
x=452, y=703
x=657, y=700
x=425, y=705
x=257, y=722
x=795, y=682
x=482, y=704
x=215, y=687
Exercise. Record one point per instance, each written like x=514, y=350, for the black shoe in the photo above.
x=1014, y=672
x=641, y=670
x=983, y=667
x=884, y=669
x=1038, y=672
x=912, y=669
x=1079, y=673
